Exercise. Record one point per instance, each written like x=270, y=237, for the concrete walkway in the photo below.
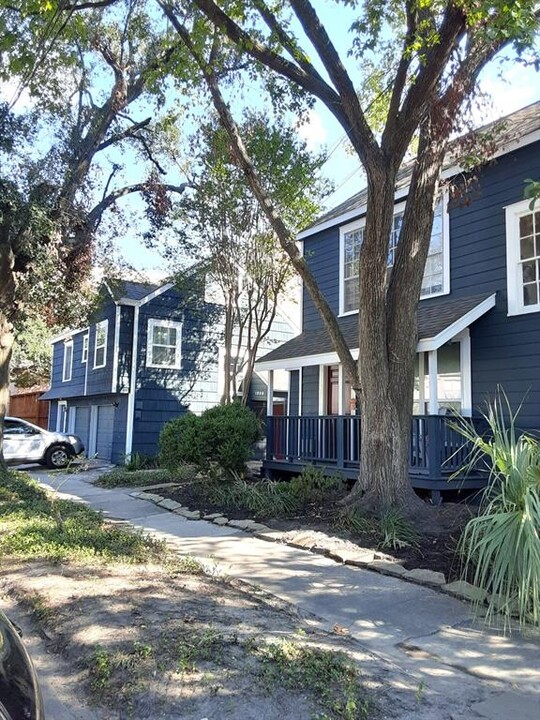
x=427, y=635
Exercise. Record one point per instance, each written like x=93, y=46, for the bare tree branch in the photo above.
x=94, y=216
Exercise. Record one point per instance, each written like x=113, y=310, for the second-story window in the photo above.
x=68, y=361
x=523, y=258
x=100, y=350
x=164, y=344
x=84, y=357
x=351, y=255
x=352, y=236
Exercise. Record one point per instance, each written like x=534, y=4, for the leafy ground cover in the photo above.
x=149, y=635
x=312, y=502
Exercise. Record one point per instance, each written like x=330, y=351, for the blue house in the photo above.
x=478, y=318
x=150, y=355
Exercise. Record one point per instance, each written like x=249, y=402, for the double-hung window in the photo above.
x=164, y=344
x=100, y=348
x=435, y=281
x=84, y=357
x=68, y=361
x=523, y=258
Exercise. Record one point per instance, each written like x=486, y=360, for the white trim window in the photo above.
x=437, y=272
x=84, y=356
x=523, y=258
x=164, y=344
x=100, y=347
x=351, y=238
x=68, y=361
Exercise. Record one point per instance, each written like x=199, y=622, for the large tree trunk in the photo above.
x=386, y=398
x=6, y=346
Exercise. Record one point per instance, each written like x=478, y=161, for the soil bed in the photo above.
x=435, y=550
x=141, y=643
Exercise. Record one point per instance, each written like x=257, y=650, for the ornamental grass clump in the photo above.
x=501, y=547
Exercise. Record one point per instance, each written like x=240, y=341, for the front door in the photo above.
x=332, y=390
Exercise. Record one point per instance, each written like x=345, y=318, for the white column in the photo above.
x=465, y=370
x=422, y=383
x=322, y=389
x=433, y=389
x=270, y=394
x=300, y=388
x=341, y=391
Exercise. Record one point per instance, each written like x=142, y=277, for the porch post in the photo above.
x=422, y=383
x=269, y=418
x=270, y=394
x=341, y=390
x=433, y=390
x=465, y=369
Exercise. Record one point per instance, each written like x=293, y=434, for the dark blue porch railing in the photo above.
x=436, y=450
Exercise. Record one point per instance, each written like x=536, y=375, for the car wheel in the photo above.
x=57, y=457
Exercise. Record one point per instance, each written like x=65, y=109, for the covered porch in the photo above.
x=321, y=425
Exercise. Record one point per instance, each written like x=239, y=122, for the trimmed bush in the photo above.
x=177, y=442
x=223, y=435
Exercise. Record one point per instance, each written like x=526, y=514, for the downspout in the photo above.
x=132, y=384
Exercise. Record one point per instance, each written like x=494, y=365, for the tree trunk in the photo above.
x=384, y=461
x=227, y=345
x=6, y=346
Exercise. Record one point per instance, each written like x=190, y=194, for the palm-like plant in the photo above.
x=501, y=547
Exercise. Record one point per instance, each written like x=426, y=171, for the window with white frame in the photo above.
x=68, y=361
x=84, y=357
x=164, y=344
x=523, y=258
x=100, y=348
x=434, y=282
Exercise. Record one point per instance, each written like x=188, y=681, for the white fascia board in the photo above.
x=400, y=195
x=66, y=335
x=523, y=141
x=434, y=343
x=403, y=192
x=156, y=293
x=294, y=363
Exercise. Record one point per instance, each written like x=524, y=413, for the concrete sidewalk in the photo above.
x=424, y=633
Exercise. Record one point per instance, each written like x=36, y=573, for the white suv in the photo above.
x=27, y=443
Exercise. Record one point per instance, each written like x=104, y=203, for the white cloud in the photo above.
x=313, y=130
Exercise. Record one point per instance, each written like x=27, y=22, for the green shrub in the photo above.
x=140, y=461
x=501, y=547
x=222, y=435
x=120, y=477
x=263, y=498
x=312, y=485
x=396, y=531
x=177, y=442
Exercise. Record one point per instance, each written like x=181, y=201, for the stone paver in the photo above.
x=503, y=706
x=428, y=577
x=170, y=504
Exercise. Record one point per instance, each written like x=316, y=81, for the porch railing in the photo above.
x=435, y=449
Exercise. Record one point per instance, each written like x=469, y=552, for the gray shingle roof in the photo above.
x=432, y=320
x=129, y=289
x=511, y=128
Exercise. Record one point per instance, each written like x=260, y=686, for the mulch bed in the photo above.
x=436, y=548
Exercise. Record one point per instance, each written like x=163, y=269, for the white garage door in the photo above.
x=101, y=431
x=82, y=425
x=104, y=434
